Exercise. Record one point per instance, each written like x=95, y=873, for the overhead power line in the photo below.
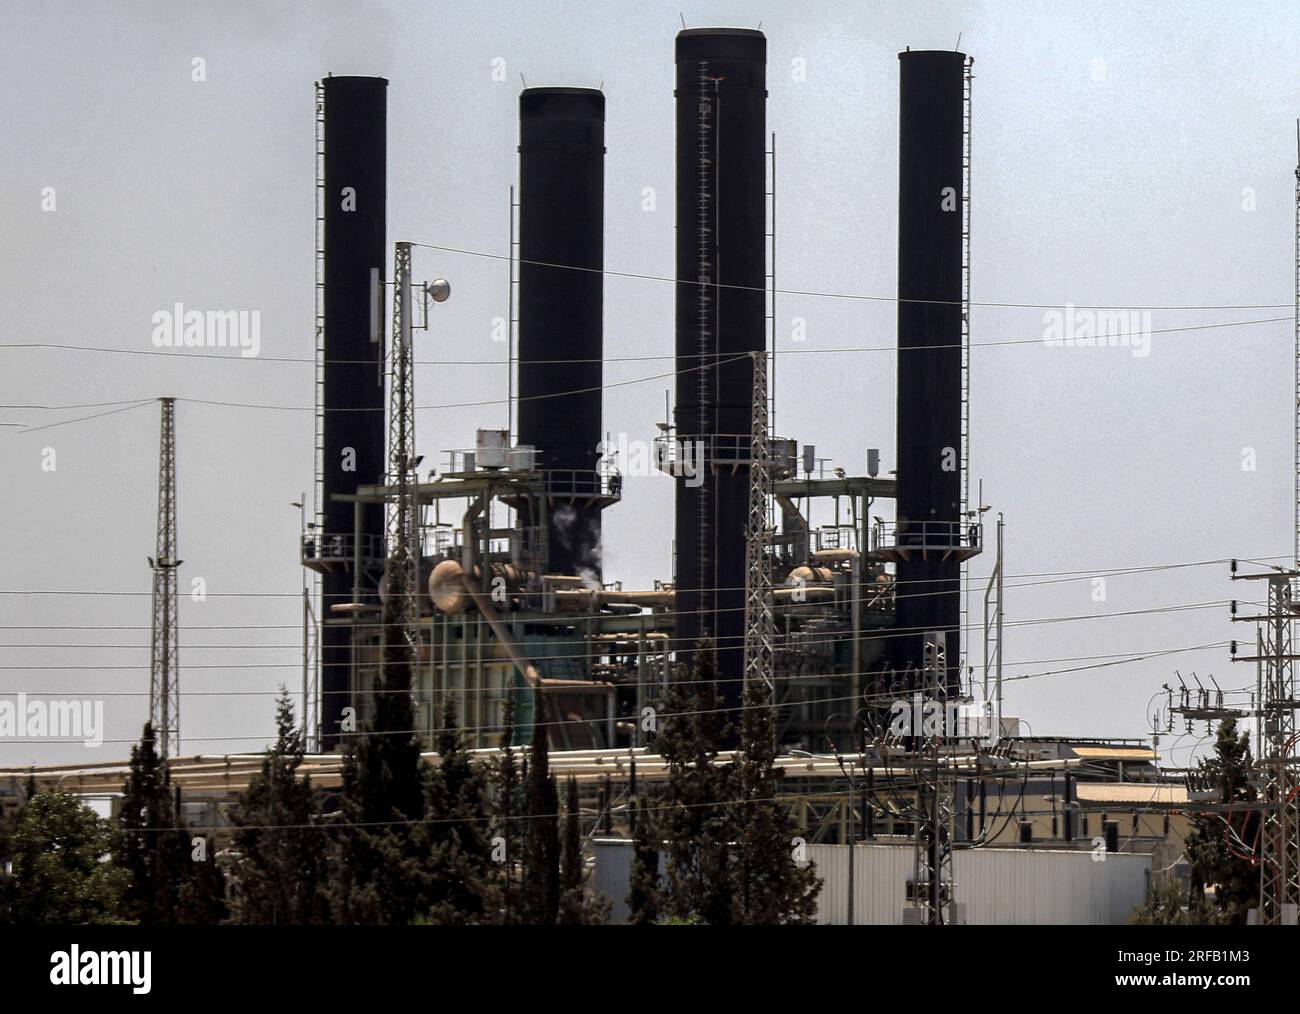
x=662, y=357
x=645, y=276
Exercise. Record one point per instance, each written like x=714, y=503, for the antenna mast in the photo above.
x=401, y=573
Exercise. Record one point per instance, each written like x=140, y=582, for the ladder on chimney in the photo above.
x=318, y=485
x=312, y=608
x=705, y=210
x=771, y=279
x=964, y=520
x=512, y=319
x=1297, y=348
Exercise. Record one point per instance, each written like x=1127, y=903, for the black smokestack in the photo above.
x=562, y=255
x=930, y=201
x=721, y=271
x=355, y=113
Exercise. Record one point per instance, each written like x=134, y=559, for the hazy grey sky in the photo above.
x=1128, y=155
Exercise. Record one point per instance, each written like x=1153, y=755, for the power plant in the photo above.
x=519, y=603
x=844, y=595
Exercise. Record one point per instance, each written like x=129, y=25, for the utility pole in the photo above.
x=164, y=667
x=992, y=703
x=1279, y=846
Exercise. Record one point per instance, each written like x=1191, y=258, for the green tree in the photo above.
x=643, y=899
x=505, y=774
x=577, y=907
x=695, y=814
x=771, y=888
x=540, y=890
x=152, y=847
x=1215, y=860
x=378, y=875
x=1166, y=905
x=59, y=876
x=201, y=897
x=280, y=871
x=8, y=824
x=462, y=879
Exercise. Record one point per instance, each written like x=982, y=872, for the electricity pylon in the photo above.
x=758, y=577
x=164, y=667
x=1279, y=844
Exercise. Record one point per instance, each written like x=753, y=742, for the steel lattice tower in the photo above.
x=1279, y=868
x=402, y=574
x=758, y=564
x=164, y=667
x=1279, y=846
x=933, y=881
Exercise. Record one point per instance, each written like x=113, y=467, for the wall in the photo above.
x=997, y=886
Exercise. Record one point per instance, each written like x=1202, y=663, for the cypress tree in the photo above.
x=506, y=778
x=461, y=880
x=151, y=847
x=571, y=861
x=540, y=891
x=696, y=819
x=201, y=897
x=1235, y=879
x=643, y=900
x=377, y=872
x=281, y=871
x=576, y=907
x=771, y=887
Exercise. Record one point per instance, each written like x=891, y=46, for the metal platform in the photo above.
x=323, y=551
x=925, y=540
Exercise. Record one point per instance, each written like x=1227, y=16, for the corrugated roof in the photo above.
x=1123, y=753
x=1136, y=793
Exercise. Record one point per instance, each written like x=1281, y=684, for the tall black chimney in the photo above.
x=561, y=252
x=930, y=206
x=352, y=396
x=721, y=276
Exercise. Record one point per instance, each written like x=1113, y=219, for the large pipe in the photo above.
x=352, y=395
x=561, y=251
x=595, y=598
x=522, y=665
x=930, y=202
x=721, y=275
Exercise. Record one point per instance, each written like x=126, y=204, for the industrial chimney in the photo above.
x=561, y=253
x=352, y=390
x=721, y=276
x=931, y=200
